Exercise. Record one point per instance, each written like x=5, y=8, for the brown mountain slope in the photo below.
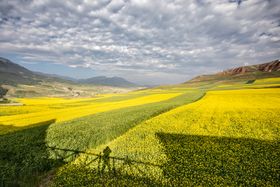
x=270, y=69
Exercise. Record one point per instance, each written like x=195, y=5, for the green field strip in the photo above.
x=91, y=131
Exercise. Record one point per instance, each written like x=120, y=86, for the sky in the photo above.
x=144, y=41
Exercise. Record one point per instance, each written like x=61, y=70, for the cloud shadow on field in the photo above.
x=24, y=155
x=208, y=160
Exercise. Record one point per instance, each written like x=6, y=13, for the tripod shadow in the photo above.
x=206, y=160
x=103, y=169
x=23, y=154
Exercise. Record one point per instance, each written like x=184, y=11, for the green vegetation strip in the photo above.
x=24, y=155
x=91, y=131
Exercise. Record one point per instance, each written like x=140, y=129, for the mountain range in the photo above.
x=22, y=82
x=13, y=74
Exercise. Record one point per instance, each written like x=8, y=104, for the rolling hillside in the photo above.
x=22, y=82
x=12, y=73
x=265, y=70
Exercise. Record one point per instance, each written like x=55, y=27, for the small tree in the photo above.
x=3, y=92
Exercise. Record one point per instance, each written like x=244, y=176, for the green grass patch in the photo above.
x=91, y=131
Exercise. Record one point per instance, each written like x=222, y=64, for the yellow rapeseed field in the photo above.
x=275, y=80
x=237, y=114
x=43, y=109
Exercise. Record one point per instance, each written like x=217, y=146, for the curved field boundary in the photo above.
x=205, y=142
x=90, y=131
x=80, y=134
x=69, y=113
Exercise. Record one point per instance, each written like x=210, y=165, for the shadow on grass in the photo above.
x=207, y=161
x=103, y=170
x=24, y=155
x=83, y=176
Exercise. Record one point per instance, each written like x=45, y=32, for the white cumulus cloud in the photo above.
x=166, y=41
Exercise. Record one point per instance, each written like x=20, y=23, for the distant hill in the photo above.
x=56, y=76
x=22, y=82
x=13, y=74
x=265, y=70
x=108, y=81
